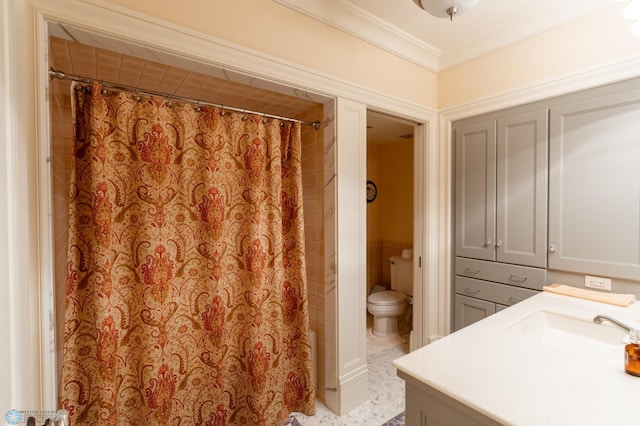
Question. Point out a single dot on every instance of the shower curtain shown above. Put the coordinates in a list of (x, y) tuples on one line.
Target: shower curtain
[(186, 298)]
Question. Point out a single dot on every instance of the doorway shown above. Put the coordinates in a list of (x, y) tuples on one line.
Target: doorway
[(390, 213)]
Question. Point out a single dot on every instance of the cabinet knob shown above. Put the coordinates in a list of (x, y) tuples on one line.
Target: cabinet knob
[(499, 243), (552, 248), (487, 243)]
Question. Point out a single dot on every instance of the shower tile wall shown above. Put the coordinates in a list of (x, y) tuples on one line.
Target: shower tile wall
[(313, 194), (328, 330), (126, 70), (61, 154)]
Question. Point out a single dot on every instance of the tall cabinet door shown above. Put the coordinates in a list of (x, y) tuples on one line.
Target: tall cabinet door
[(521, 195), (475, 147), (594, 186)]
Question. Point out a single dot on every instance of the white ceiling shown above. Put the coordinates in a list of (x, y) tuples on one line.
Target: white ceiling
[(402, 27)]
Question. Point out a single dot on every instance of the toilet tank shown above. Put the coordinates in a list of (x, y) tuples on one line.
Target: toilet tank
[(401, 274)]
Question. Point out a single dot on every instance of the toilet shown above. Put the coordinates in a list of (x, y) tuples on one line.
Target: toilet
[(387, 306)]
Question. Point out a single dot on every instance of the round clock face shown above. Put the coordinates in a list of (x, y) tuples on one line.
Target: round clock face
[(372, 191)]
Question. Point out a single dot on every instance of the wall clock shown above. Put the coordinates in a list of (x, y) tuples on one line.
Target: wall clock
[(372, 191)]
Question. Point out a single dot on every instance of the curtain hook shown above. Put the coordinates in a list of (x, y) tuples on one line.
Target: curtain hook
[(138, 97), (245, 117), (197, 108), (222, 111)]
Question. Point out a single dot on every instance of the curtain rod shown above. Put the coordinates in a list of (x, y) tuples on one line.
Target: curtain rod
[(63, 76)]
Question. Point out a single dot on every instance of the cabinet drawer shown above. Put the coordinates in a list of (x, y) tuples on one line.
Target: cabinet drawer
[(493, 292), (521, 276)]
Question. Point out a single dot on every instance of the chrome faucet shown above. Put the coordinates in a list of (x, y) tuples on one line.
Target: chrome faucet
[(599, 318)]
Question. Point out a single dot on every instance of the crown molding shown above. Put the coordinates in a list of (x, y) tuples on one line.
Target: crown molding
[(368, 27), (345, 16), (596, 76), (114, 27)]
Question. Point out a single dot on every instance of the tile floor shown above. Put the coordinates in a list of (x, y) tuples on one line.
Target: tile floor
[(386, 389)]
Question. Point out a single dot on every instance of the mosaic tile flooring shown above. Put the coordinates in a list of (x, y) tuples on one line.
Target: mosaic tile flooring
[(386, 389)]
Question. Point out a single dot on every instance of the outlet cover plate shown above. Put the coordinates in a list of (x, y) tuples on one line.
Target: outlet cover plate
[(598, 283)]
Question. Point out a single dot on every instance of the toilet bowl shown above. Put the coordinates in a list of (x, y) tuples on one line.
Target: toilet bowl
[(386, 306)]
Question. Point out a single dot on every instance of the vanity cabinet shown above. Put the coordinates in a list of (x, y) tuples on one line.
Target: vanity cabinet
[(501, 189), (426, 405), (594, 192)]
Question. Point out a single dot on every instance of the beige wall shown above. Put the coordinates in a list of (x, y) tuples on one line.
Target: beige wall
[(268, 27), (374, 209), (390, 215), (396, 191), (595, 41), (390, 167)]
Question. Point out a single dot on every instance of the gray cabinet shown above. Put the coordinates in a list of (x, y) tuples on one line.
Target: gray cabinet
[(500, 212), (476, 299), (501, 189), (429, 406), (594, 191), (475, 195), (469, 310)]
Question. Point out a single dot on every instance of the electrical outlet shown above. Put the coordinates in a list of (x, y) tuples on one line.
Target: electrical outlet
[(597, 282)]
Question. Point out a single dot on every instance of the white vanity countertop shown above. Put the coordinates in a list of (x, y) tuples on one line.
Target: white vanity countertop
[(500, 368)]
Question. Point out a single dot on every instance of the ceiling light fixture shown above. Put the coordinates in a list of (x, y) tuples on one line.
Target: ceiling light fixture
[(446, 8), (632, 12)]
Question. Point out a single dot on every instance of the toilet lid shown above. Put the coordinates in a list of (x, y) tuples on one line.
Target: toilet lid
[(388, 297)]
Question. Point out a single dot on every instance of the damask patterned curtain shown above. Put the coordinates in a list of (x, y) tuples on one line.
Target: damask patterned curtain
[(186, 298)]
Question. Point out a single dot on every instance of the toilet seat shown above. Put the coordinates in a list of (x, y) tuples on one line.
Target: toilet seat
[(388, 297)]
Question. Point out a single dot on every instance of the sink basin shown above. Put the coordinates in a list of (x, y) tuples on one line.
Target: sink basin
[(555, 330)]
